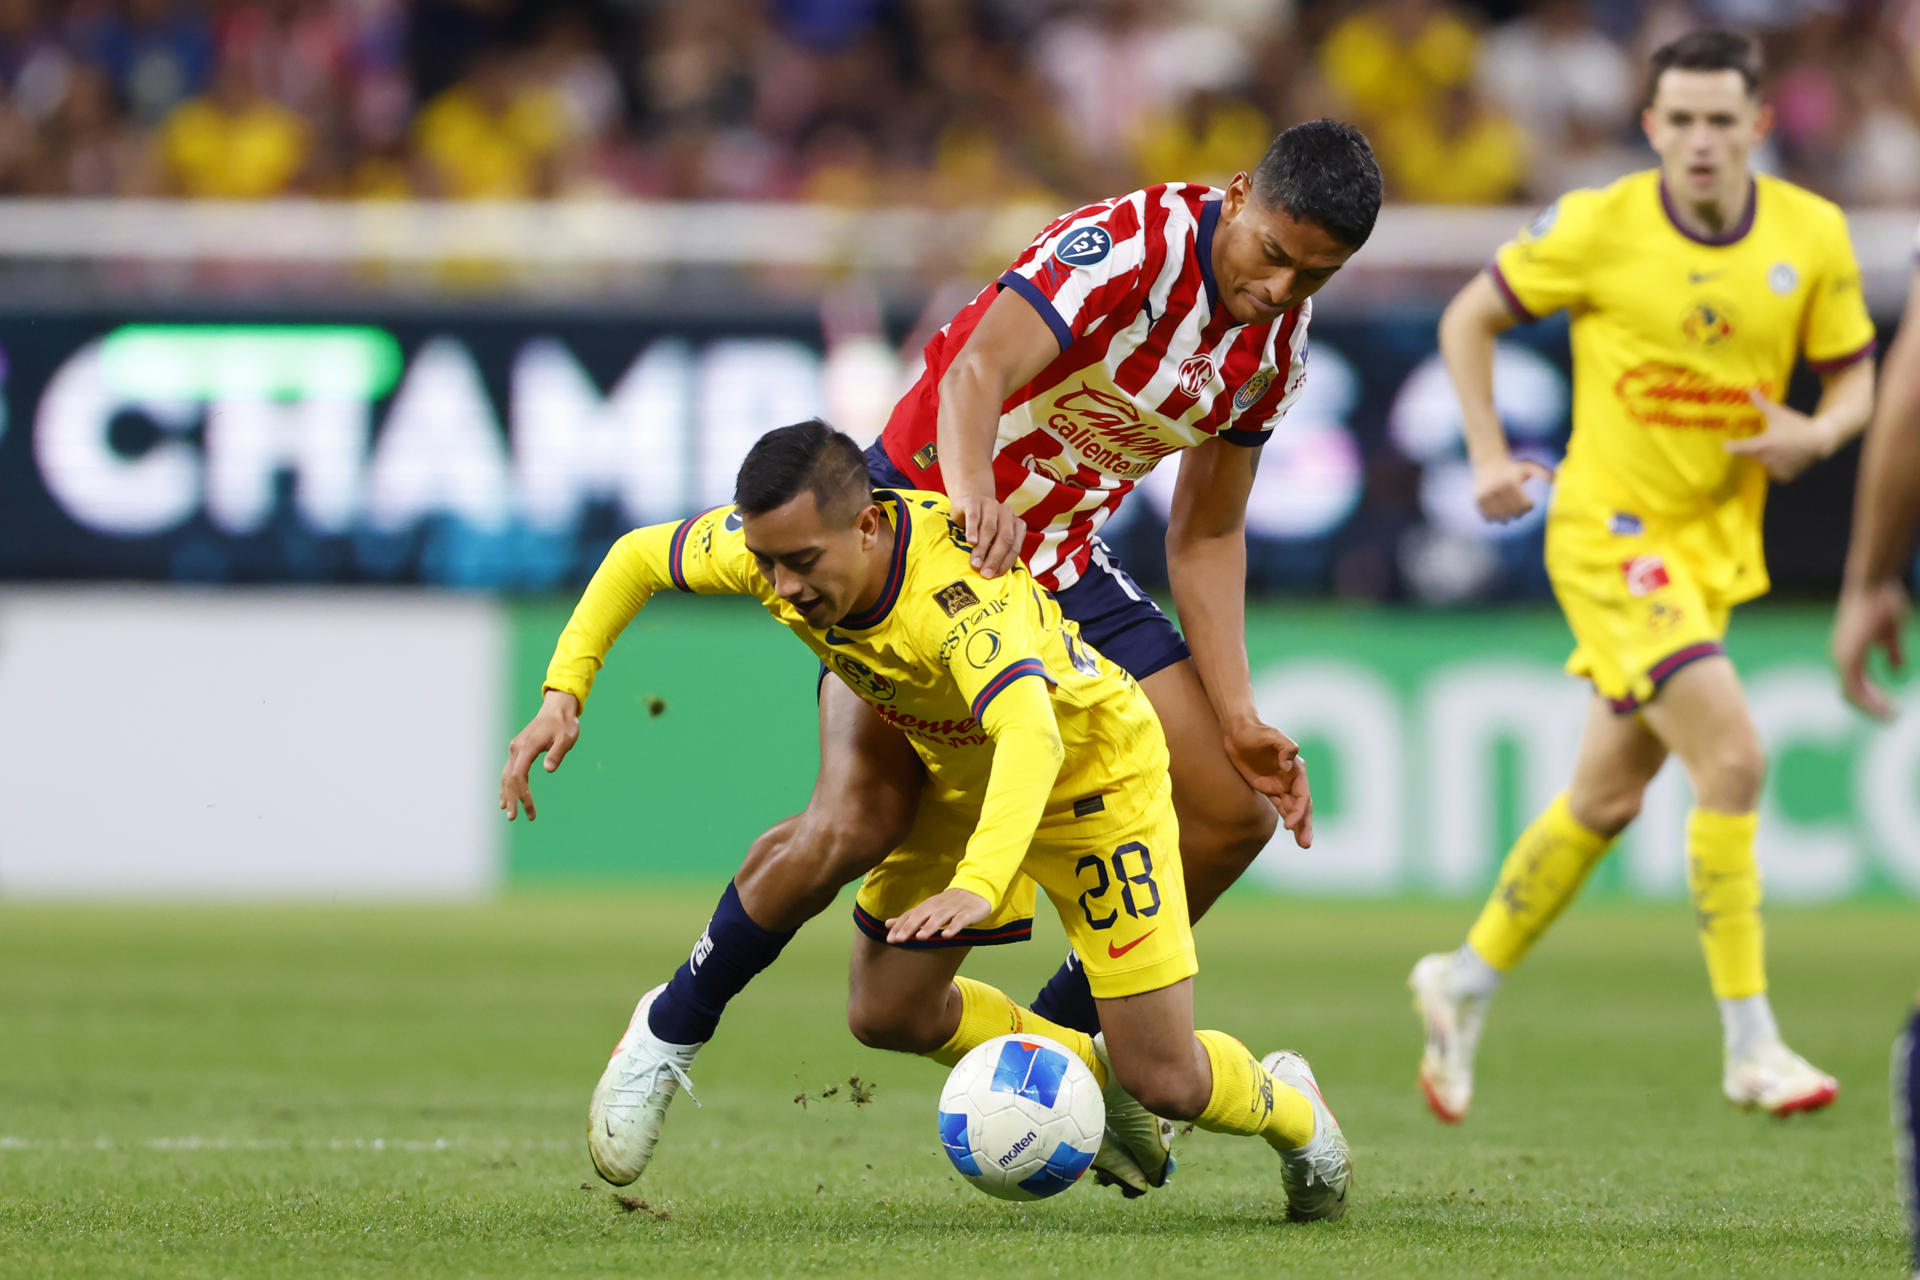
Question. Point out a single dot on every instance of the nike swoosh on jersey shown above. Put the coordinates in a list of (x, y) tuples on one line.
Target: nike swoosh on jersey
[(1701, 277), (834, 639), (1116, 952)]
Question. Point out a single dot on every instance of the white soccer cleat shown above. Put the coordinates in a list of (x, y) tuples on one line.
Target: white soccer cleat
[(1775, 1079), (1136, 1153), (1453, 1024), (629, 1105), (1318, 1175)]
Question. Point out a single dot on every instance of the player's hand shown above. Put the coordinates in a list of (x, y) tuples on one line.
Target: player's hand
[(1788, 444), (1270, 762), (943, 915), (993, 529), (1499, 487), (552, 731), (1869, 618)]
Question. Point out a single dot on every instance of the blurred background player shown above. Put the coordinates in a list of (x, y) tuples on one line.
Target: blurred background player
[(1693, 288), (1173, 318), (1049, 754), (1872, 612)]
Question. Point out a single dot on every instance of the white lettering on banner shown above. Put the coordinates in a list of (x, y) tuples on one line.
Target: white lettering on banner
[(572, 447), (746, 388), (323, 441), (1799, 707), (1887, 791), (1419, 800), (1357, 850), (441, 452), (1468, 712), (97, 484)]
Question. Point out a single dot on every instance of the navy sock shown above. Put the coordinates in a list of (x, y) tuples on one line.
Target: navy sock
[(732, 949), (1906, 1124), (1068, 1000)]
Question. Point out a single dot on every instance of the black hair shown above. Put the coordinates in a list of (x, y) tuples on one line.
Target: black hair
[(1709, 49), (808, 455), (1323, 172)]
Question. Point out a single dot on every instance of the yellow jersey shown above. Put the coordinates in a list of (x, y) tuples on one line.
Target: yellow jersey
[(936, 657), (1670, 332)]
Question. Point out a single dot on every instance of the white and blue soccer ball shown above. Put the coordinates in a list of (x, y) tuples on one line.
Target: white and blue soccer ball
[(1021, 1117)]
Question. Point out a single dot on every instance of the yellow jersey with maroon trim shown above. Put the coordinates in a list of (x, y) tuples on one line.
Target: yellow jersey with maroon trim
[(1670, 332), (932, 656)]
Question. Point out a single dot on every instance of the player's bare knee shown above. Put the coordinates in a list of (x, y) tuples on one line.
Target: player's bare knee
[(1730, 778), (1170, 1085), (1231, 832), (1175, 1091), (1607, 812), (838, 847), (895, 1028)]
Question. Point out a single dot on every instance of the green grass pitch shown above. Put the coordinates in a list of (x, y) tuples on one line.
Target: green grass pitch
[(248, 1092)]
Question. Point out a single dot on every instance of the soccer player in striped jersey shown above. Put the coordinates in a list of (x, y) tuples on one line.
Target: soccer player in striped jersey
[(1693, 288), (1872, 613), (1171, 319)]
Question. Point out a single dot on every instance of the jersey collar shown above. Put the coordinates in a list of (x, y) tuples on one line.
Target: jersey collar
[(1731, 236), (1203, 244), (902, 530)]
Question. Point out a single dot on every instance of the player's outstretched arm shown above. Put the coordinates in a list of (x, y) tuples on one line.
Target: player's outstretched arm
[(552, 732), (1007, 350), (1016, 710), (696, 555), (1207, 568), (1886, 513), (1469, 330)]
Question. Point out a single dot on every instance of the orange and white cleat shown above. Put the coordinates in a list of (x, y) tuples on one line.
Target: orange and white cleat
[(629, 1105), (1453, 1023), (1775, 1079)]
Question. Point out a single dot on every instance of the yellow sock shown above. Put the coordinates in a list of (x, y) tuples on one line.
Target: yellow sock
[(986, 1012), (1725, 883), (1542, 874), (1247, 1100)]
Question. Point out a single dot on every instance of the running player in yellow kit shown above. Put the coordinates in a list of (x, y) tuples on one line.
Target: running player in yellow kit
[(1693, 289), (1043, 760)]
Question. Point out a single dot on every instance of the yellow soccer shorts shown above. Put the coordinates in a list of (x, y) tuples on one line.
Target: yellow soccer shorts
[(1118, 887), (1635, 605)]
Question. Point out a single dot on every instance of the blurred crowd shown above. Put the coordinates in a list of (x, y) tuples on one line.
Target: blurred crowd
[(943, 102)]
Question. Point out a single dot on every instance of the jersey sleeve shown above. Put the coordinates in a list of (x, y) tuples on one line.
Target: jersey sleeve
[(1839, 331), (1544, 269), (993, 654), (702, 554), (1086, 266)]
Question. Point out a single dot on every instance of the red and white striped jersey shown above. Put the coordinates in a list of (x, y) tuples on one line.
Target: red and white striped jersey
[(1150, 363)]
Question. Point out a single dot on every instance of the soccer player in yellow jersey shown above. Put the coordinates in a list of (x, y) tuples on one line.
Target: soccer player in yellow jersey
[(1042, 759), (1693, 288)]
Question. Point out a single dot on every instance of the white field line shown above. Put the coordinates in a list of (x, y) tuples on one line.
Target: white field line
[(197, 1142)]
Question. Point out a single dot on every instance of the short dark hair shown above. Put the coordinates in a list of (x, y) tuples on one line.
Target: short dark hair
[(808, 455), (1323, 172), (1709, 49)]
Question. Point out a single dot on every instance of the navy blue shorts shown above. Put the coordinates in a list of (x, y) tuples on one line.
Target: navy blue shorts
[(1115, 615)]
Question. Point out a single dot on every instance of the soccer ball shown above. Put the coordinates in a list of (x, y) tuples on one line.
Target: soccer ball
[(1021, 1117)]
